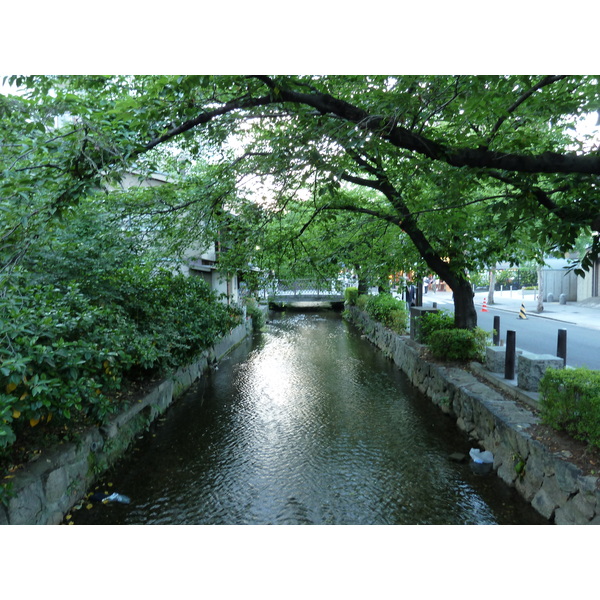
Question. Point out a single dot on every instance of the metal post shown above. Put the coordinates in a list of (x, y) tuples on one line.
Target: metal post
[(561, 347), (511, 351), (419, 298), (496, 331)]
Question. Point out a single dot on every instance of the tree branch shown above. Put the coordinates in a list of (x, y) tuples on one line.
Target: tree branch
[(540, 195), (400, 137), (240, 103), (365, 211), (548, 80)]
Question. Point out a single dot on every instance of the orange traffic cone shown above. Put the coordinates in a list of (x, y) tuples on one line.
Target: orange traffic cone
[(484, 307)]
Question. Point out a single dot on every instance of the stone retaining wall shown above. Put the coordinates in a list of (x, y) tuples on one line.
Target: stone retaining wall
[(48, 487), (557, 489)]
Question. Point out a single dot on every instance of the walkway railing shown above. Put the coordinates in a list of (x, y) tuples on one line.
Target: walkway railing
[(307, 287), (307, 290)]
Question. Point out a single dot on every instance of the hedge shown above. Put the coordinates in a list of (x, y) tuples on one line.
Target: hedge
[(570, 401), (387, 310)]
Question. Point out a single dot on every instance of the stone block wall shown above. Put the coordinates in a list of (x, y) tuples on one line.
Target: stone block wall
[(557, 489), (495, 358), (531, 368)]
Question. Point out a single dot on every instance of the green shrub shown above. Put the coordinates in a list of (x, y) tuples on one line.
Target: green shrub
[(459, 345), (62, 357), (361, 302), (506, 277), (430, 323), (387, 310), (480, 278), (179, 315), (570, 401), (257, 315), (398, 320), (351, 295)]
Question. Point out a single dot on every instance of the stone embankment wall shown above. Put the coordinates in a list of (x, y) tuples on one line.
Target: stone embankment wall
[(48, 487), (557, 489)]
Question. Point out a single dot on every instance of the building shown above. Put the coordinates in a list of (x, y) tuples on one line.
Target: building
[(197, 261)]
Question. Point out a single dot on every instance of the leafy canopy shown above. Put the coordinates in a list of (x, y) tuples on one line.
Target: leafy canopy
[(469, 169)]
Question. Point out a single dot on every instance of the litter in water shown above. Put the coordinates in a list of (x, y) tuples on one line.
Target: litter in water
[(106, 498), (480, 457)]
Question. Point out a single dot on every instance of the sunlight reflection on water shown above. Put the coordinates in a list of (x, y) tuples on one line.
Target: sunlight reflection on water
[(307, 425)]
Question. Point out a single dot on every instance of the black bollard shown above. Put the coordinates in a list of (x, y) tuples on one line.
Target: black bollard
[(496, 331), (561, 346), (511, 351)]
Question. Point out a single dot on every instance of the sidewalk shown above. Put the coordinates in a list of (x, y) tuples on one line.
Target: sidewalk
[(586, 313)]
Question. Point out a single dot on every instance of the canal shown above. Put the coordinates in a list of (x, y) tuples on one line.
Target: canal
[(306, 423)]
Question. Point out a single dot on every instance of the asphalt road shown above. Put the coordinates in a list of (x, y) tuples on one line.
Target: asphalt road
[(540, 335)]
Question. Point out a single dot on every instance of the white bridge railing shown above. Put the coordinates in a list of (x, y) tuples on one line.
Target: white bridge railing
[(307, 287)]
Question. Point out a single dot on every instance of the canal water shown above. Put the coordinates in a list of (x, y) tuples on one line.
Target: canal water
[(306, 423)]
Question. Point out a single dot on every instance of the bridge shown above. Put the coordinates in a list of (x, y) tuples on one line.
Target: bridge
[(305, 292)]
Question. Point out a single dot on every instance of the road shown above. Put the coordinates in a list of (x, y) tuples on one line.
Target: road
[(539, 333)]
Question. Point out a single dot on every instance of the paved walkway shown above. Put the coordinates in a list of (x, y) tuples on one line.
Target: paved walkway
[(586, 313)]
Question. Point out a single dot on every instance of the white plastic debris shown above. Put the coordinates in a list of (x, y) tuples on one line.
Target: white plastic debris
[(480, 457), (117, 498)]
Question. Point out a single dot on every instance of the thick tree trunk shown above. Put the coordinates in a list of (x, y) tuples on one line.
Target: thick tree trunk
[(492, 286), (465, 315), (363, 286), (540, 298)]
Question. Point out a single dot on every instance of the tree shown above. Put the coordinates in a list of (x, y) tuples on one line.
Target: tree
[(492, 286), (462, 165)]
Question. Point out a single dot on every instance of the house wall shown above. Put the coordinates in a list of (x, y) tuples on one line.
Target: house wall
[(559, 281), (130, 180), (585, 286), (204, 258), (227, 286), (589, 285)]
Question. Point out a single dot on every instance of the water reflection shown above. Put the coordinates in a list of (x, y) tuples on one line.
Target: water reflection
[(307, 424)]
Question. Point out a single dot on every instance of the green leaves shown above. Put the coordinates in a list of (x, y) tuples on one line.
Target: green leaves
[(570, 401), (459, 344), (64, 358), (175, 317), (387, 310), (299, 175)]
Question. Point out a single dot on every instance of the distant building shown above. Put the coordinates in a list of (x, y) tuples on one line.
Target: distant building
[(559, 280), (197, 262)]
